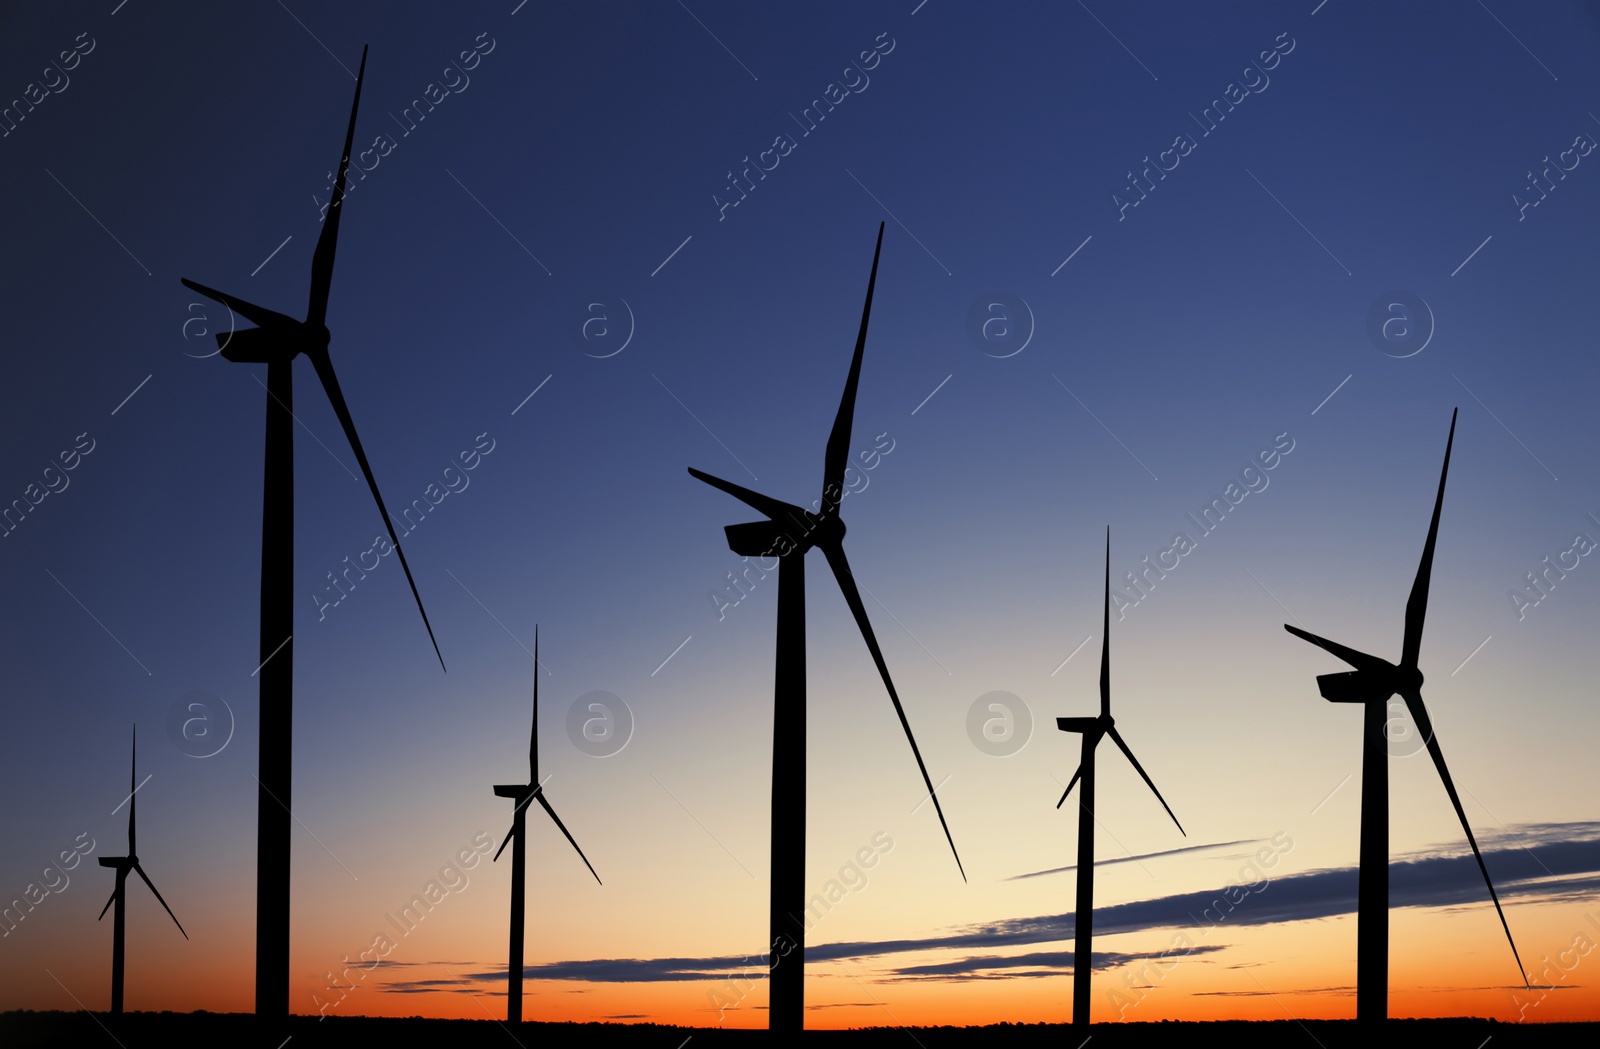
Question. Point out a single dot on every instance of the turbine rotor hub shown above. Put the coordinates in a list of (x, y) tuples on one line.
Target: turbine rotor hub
[(825, 527)]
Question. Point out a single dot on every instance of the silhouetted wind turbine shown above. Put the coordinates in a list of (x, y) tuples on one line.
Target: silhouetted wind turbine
[(1093, 730), (122, 865), (276, 342), (1372, 683), (523, 793), (788, 533)]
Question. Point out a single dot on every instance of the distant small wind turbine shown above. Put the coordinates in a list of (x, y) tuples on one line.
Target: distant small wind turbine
[(523, 793), (788, 533), (122, 865), (1093, 729), (1372, 683)]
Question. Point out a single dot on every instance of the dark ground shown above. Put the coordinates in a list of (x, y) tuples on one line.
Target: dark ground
[(23, 1030)]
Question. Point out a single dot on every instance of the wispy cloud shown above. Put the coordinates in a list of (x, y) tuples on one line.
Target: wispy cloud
[(643, 970), (1134, 859), (1529, 863), (1336, 991), (1022, 966), (843, 1005)]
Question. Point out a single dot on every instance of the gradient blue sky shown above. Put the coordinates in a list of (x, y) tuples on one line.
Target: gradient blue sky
[(1179, 341)]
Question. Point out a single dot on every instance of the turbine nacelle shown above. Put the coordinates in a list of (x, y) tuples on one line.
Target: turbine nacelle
[(265, 346), (766, 539), (788, 530), (1369, 686), (268, 345), (1096, 726)]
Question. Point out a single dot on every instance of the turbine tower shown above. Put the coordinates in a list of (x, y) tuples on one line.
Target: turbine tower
[(523, 793), (787, 534), (276, 341), (1372, 683), (1093, 730), (122, 865)]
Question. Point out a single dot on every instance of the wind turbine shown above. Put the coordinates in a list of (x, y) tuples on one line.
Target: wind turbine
[(523, 793), (1372, 683), (1093, 730), (276, 341), (122, 865), (788, 533)]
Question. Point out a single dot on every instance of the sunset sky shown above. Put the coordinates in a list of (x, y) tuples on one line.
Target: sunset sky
[(1134, 253)]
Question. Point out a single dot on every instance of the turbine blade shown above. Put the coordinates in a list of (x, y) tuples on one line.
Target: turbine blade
[(133, 796), (512, 833), (546, 803), (322, 258), (258, 315), (109, 902), (1419, 714), (776, 509), (1359, 660), (837, 456), (533, 736), (852, 597), (330, 383), (147, 881), (1105, 643), (1417, 604), (1073, 782), (1116, 737)]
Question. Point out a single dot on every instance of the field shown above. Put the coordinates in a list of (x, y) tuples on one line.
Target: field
[(29, 1029)]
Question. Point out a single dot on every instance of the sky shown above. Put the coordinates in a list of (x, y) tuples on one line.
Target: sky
[(1139, 260)]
